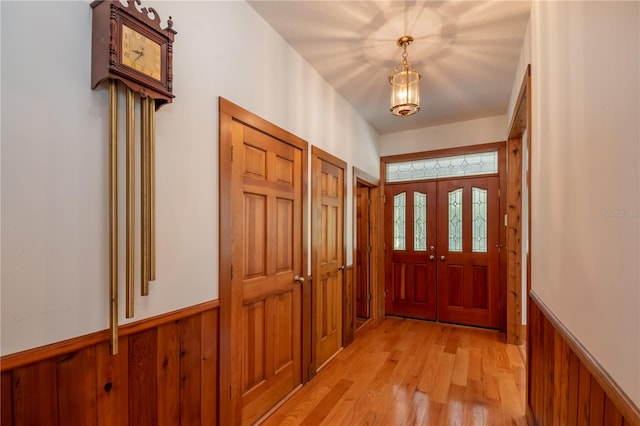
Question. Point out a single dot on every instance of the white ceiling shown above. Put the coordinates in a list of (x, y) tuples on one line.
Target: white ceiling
[(466, 51)]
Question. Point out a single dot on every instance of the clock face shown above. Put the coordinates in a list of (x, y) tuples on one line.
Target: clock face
[(141, 53)]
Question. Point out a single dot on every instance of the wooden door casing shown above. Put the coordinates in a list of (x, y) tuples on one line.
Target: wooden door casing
[(468, 281), (410, 273), (328, 188), (362, 251), (261, 303)]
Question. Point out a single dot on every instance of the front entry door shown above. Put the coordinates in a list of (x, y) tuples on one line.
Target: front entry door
[(441, 250), (468, 256), (266, 260), (410, 243), (328, 255)]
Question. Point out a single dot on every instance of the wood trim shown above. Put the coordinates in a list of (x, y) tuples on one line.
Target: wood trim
[(228, 405), (520, 121), (377, 253), (514, 241), (260, 124), (363, 178), (330, 158), (597, 373), (30, 356), (445, 152), (348, 307), (502, 173)]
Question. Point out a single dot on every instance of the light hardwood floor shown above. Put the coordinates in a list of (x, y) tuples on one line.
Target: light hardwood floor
[(406, 372)]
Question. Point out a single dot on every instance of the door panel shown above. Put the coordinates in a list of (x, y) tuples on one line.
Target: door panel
[(328, 235), (410, 242), (468, 263), (266, 256)]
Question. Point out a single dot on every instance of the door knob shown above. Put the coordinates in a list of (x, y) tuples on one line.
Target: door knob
[(298, 278), (432, 257), (443, 258), (341, 268)]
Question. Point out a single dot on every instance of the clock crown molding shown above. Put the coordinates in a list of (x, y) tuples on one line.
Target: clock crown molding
[(148, 15)]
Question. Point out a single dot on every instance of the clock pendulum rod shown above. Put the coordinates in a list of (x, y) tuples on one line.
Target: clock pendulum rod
[(130, 182), (113, 215), (144, 185), (152, 190)]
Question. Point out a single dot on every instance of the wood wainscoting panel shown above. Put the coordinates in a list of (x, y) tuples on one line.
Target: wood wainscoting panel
[(567, 386), (165, 373)]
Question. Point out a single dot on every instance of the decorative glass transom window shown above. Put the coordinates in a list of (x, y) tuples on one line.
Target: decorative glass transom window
[(482, 163)]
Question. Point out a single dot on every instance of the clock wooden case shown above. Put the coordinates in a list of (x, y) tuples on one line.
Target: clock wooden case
[(129, 44)]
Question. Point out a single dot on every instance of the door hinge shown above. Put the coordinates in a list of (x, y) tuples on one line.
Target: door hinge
[(370, 249), (384, 246), (498, 192), (370, 296), (384, 199), (231, 152), (231, 271)]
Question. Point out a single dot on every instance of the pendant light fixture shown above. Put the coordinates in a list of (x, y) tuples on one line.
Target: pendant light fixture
[(405, 84)]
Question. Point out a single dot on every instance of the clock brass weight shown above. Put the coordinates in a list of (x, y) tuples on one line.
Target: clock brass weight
[(130, 49)]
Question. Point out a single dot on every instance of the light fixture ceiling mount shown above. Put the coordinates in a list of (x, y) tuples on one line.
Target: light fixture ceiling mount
[(405, 84)]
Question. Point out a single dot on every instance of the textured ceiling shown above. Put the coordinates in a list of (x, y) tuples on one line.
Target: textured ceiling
[(466, 51)]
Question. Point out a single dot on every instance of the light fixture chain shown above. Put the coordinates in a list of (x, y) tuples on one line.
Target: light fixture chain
[(405, 64)]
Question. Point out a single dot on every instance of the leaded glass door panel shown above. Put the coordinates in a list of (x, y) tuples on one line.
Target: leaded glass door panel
[(468, 256), (410, 242)]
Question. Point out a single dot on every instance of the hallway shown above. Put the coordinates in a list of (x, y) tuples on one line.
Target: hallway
[(406, 372)]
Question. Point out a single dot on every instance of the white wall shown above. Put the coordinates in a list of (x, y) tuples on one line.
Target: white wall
[(54, 157), (463, 133), (585, 176)]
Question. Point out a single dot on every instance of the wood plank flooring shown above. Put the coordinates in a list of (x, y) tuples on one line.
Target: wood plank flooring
[(407, 372)]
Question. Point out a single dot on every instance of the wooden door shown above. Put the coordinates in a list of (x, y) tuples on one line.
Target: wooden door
[(410, 249), (363, 249), (327, 255), (468, 254), (261, 348)]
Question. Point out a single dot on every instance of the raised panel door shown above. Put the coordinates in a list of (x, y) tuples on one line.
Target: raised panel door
[(266, 257), (410, 250), (328, 269), (468, 254)]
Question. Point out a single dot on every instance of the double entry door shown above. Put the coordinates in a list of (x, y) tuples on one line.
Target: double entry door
[(442, 250)]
